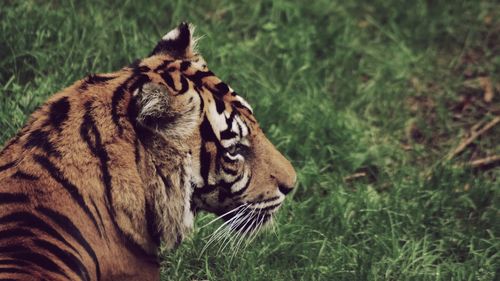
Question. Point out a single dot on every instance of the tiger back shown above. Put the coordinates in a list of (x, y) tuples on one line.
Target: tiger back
[(116, 164)]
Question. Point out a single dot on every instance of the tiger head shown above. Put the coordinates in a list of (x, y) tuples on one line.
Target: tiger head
[(235, 171)]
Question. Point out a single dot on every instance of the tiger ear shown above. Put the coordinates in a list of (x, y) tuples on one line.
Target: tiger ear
[(178, 42), (154, 105)]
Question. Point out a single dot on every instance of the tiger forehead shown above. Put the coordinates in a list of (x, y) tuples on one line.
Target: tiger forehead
[(198, 73)]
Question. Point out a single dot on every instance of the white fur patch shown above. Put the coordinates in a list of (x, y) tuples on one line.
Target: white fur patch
[(242, 183), (268, 203), (171, 35), (227, 143), (244, 128), (234, 157), (188, 216), (217, 121), (244, 103)]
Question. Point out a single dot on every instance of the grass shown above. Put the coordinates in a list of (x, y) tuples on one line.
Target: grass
[(385, 88)]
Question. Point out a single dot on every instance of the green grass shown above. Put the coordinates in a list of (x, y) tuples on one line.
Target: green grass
[(340, 87)]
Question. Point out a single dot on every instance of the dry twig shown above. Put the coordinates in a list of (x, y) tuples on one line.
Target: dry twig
[(484, 161), (488, 88), (473, 135), (355, 176)]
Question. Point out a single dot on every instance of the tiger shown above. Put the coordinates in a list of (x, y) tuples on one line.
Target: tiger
[(115, 167)]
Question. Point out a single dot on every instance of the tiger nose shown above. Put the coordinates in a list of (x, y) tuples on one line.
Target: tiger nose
[(285, 189), (286, 179)]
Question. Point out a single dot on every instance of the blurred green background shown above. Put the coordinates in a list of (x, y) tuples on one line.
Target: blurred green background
[(369, 99)]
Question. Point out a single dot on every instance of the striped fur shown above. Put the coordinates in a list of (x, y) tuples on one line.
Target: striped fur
[(117, 163)]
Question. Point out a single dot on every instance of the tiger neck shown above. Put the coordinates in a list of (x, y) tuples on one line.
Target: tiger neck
[(164, 165), (168, 189)]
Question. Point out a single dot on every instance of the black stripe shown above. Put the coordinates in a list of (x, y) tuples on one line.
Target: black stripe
[(88, 126), (220, 105), (264, 201), (137, 151), (67, 185), (40, 139), (98, 79), (239, 192), (31, 221), (203, 190), (139, 82), (24, 176), (137, 68), (231, 117), (207, 135), (227, 134), (265, 209), (238, 104), (198, 77), (202, 103), (67, 258), (13, 262), (9, 198), (240, 129), (93, 79), (119, 92), (132, 112), (206, 131), (14, 233), (184, 85), (98, 216), (185, 65), (118, 95), (14, 248), (221, 89), (228, 185), (166, 180), (169, 80), (7, 166), (67, 225), (152, 226), (205, 161), (219, 153), (59, 112), (163, 65), (229, 171), (26, 254), (14, 270)]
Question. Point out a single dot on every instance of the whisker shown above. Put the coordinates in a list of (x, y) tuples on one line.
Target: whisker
[(223, 215), (243, 235), (231, 229), (259, 222), (216, 235), (226, 232), (256, 232)]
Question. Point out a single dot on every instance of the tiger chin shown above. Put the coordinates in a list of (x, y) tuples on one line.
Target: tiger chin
[(116, 164)]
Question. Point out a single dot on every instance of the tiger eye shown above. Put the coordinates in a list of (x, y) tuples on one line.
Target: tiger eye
[(232, 149)]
